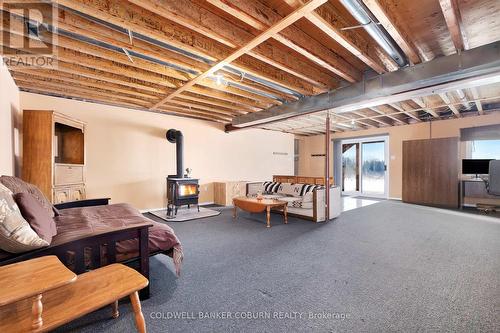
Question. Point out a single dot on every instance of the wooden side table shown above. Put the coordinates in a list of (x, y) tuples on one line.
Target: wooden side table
[(32, 278), (66, 296)]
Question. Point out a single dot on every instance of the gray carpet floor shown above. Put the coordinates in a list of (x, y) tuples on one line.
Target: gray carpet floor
[(386, 267)]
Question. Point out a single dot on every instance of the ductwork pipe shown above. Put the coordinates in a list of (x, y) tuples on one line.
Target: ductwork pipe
[(175, 136), (363, 15)]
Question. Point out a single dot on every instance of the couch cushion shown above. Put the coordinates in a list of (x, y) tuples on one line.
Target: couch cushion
[(302, 204), (270, 187), (17, 185), (74, 223), (16, 235), (289, 200), (38, 218), (290, 189)]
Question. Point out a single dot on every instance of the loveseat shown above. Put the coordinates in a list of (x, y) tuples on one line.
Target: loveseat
[(93, 233), (304, 200)]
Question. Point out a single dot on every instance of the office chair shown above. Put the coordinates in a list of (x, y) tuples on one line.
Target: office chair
[(492, 185)]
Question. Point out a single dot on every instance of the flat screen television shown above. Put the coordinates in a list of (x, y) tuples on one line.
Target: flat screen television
[(475, 167)]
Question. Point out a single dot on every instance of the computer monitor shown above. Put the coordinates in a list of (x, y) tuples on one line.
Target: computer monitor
[(475, 166)]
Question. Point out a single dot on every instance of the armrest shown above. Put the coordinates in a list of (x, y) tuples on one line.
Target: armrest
[(83, 203), (253, 187), (78, 244)]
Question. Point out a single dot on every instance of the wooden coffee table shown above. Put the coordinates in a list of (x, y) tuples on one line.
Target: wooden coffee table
[(254, 205)]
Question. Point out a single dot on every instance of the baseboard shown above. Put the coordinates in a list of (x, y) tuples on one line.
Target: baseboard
[(142, 211), (397, 199)]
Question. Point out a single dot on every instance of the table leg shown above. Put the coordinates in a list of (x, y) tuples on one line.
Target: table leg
[(285, 213), (116, 312), (36, 311), (268, 213), (139, 318), (234, 211)]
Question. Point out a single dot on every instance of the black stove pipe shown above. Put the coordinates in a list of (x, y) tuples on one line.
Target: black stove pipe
[(175, 136)]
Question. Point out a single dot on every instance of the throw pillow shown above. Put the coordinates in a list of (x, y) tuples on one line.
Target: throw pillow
[(16, 235), (38, 218), (17, 185)]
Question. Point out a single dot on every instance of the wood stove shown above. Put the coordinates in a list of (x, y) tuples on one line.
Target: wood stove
[(181, 190)]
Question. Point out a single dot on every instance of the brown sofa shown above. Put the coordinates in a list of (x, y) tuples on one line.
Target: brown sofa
[(92, 233)]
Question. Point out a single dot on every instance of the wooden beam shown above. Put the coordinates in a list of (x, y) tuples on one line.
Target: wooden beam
[(193, 16), (375, 119), (137, 19), (202, 107), (421, 103), (78, 58), (454, 22), (463, 98), (288, 20), (330, 21), (93, 96), (176, 78), (86, 72), (452, 107), (188, 110), (70, 91), (260, 17), (401, 108), (75, 79), (79, 25), (350, 119), (81, 87), (217, 102), (393, 26), (387, 111), (475, 95)]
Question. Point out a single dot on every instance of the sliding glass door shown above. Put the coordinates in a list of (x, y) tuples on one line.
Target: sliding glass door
[(350, 167), (364, 167)]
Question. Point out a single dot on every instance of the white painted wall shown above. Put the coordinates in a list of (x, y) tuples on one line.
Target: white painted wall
[(10, 122), (128, 156)]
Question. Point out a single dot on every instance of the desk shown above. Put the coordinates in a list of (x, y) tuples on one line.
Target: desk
[(473, 191)]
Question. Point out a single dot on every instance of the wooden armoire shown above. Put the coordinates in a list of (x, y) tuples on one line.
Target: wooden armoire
[(430, 172), (54, 154)]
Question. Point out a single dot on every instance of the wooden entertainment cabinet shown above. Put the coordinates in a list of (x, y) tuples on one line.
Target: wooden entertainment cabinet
[(54, 154)]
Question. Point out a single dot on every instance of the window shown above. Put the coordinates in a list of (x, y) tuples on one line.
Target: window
[(485, 149)]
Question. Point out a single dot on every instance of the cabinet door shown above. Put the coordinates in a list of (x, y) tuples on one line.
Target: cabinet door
[(77, 193), (61, 195)]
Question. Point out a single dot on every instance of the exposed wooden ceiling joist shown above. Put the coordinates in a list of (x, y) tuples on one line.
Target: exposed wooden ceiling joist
[(260, 16), (327, 19), (454, 22), (393, 27), (447, 101), (134, 53), (473, 67), (402, 107), (277, 27), (152, 25), (475, 95), (193, 16)]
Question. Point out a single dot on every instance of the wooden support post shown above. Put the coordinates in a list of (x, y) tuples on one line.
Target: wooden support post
[(327, 168)]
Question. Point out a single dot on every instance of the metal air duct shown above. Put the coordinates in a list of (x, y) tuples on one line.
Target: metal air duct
[(363, 15)]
